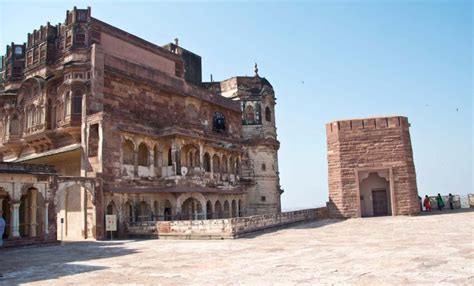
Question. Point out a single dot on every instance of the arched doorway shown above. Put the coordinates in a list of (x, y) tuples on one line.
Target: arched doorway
[(191, 209), (234, 209), (241, 212), (218, 210), (226, 209), (167, 211), (127, 212), (5, 207), (155, 214), (374, 191), (31, 213), (144, 212), (209, 213)]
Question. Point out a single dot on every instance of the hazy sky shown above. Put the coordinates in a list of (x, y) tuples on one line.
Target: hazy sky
[(326, 60)]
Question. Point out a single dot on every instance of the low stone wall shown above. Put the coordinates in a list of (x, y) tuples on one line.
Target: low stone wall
[(222, 228)]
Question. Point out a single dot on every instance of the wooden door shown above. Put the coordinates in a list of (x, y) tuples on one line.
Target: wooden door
[(379, 202)]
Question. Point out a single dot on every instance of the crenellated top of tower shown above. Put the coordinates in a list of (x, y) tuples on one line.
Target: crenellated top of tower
[(78, 16)]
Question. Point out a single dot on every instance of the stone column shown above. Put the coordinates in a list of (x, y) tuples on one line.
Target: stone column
[(211, 164), (15, 226), (175, 158), (201, 156), (99, 147), (151, 156), (46, 224), (33, 219), (204, 210)]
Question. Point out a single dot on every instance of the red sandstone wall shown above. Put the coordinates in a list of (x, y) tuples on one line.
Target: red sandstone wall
[(370, 143)]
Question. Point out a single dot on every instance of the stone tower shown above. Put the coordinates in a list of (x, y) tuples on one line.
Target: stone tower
[(370, 168), (260, 156)]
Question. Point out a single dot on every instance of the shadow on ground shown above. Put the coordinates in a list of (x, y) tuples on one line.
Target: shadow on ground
[(55, 261), (299, 225)]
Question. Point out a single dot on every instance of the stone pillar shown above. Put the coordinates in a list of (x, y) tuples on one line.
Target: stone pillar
[(175, 158), (211, 164), (204, 210), (33, 219), (15, 226), (46, 224), (99, 147), (151, 156), (201, 157)]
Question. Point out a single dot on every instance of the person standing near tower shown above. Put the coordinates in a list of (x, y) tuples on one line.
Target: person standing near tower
[(450, 201), (440, 202)]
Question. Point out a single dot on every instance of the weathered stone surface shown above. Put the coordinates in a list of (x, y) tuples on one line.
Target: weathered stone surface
[(359, 147), (405, 250), (222, 228), (97, 102)]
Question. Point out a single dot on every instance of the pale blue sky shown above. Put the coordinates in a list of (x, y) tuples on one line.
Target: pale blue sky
[(326, 60)]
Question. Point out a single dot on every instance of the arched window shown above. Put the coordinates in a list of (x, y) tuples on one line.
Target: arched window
[(207, 162), (268, 114), (231, 165), (191, 159), (14, 127), (218, 122), (33, 116), (215, 164), (264, 167), (77, 102), (170, 161), (249, 114), (127, 152), (143, 155), (67, 104), (224, 164)]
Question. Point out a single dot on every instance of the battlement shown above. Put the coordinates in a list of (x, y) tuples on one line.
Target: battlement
[(78, 16), (42, 34), (351, 125)]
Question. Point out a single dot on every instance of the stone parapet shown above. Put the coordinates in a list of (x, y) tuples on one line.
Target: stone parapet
[(223, 228)]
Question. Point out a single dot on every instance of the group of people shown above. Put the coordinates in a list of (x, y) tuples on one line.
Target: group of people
[(439, 202)]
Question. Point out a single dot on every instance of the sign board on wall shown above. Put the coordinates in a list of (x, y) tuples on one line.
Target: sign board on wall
[(110, 222)]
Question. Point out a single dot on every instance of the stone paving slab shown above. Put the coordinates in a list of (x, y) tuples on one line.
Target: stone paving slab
[(371, 251)]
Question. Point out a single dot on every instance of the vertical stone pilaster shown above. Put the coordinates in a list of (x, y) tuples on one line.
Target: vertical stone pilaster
[(33, 219), (15, 226), (201, 156), (211, 164), (99, 147), (46, 225)]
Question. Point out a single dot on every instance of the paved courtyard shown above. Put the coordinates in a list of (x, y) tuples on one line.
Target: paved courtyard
[(371, 251)]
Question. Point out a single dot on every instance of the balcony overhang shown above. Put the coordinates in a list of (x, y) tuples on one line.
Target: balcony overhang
[(173, 189)]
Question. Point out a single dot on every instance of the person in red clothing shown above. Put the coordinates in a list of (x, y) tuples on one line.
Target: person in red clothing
[(427, 204)]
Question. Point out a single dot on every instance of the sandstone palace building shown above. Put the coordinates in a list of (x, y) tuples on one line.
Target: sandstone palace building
[(117, 125)]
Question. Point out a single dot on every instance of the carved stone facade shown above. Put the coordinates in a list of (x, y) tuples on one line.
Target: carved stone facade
[(136, 121), (371, 168), (27, 203)]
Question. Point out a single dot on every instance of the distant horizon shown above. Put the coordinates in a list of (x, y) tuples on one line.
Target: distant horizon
[(327, 61)]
